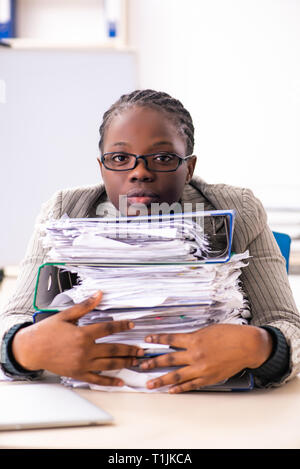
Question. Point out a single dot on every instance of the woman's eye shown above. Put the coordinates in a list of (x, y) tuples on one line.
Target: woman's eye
[(120, 158), (163, 158)]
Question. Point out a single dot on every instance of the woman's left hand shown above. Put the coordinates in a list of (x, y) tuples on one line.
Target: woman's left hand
[(209, 355)]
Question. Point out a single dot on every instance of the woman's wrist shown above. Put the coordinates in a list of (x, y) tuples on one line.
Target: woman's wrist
[(277, 367), (9, 363), (261, 345), (18, 350)]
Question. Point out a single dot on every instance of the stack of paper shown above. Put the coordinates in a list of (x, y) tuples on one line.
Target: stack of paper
[(119, 240), (161, 296)]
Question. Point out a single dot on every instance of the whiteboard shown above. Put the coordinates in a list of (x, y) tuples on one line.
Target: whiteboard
[(51, 107)]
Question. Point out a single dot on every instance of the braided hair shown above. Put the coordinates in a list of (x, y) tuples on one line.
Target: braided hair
[(156, 100)]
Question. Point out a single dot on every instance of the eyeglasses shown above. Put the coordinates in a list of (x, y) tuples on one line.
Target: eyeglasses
[(160, 162)]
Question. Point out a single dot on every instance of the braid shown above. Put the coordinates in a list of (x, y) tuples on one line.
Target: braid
[(154, 99)]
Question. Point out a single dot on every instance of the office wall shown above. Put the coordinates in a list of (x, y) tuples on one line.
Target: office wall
[(235, 64), (51, 106)]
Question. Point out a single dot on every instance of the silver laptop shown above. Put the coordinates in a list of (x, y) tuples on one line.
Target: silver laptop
[(36, 405)]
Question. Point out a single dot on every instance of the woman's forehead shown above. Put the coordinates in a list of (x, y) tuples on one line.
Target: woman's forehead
[(139, 122)]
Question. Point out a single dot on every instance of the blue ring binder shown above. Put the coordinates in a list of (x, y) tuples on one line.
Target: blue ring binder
[(7, 23)]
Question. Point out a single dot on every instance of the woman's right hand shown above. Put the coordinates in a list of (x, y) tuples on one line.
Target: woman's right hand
[(58, 345)]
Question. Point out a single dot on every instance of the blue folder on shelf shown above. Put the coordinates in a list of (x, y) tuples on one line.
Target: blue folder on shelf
[(7, 19)]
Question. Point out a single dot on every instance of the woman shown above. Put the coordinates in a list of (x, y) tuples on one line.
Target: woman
[(139, 133)]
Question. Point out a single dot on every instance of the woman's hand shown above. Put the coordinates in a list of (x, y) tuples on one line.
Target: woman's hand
[(58, 345), (209, 356)]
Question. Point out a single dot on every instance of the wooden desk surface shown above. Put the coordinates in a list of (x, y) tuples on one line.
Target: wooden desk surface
[(258, 419)]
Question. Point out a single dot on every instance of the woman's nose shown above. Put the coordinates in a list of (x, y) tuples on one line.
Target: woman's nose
[(141, 172)]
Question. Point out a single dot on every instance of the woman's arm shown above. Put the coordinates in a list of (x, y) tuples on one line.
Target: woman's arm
[(19, 308), (266, 284)]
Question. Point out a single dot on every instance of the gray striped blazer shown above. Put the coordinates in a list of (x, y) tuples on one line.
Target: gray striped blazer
[(264, 280)]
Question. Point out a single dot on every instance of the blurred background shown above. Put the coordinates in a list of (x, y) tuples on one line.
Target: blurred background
[(234, 64)]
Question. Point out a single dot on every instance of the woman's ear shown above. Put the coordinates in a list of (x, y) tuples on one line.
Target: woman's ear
[(100, 165), (191, 163)]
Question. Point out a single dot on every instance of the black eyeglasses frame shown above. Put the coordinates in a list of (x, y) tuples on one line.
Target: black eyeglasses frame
[(181, 159)]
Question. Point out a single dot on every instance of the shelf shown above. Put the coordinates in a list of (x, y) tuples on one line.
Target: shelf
[(27, 43)]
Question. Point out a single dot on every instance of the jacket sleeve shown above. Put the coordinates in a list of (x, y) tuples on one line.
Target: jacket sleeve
[(19, 308), (265, 280)]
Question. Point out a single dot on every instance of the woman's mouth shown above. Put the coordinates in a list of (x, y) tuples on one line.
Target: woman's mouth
[(141, 197)]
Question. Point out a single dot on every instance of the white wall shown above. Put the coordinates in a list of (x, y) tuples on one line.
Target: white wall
[(235, 64)]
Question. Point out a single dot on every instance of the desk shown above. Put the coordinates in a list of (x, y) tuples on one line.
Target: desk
[(258, 419)]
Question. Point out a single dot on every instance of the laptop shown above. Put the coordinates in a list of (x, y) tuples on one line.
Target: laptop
[(41, 405)]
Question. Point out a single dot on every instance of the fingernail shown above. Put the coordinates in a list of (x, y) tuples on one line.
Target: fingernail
[(151, 384), (96, 295), (131, 325), (148, 339), (140, 353), (120, 383), (144, 365)]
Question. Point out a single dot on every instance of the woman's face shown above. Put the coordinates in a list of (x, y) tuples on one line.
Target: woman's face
[(142, 130)]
